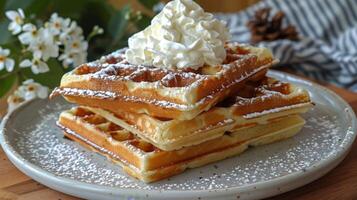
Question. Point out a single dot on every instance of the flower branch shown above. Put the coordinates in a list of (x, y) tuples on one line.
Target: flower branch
[(58, 38)]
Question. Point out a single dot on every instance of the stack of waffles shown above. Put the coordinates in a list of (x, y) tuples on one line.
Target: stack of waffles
[(156, 123)]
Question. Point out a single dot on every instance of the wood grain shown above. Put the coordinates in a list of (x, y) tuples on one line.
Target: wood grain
[(340, 183)]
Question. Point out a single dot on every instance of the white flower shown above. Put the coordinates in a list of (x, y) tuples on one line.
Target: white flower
[(72, 32), (13, 101), (17, 19), (30, 90), (72, 59), (37, 66), (45, 46), (98, 30), (31, 34), (76, 45), (57, 24), (6, 62), (75, 52), (27, 91)]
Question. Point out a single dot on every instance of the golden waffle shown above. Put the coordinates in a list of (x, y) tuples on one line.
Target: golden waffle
[(148, 163), (256, 103), (114, 84)]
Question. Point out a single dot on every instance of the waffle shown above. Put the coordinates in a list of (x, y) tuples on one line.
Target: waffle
[(149, 163), (256, 103), (116, 85)]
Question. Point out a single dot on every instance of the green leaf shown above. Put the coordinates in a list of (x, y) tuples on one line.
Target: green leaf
[(29, 6), (6, 84), (5, 34), (101, 16), (149, 3), (37, 7), (143, 22), (50, 79), (2, 6), (118, 23), (75, 9), (15, 4), (69, 8)]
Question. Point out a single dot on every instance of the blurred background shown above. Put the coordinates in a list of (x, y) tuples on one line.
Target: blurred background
[(208, 5)]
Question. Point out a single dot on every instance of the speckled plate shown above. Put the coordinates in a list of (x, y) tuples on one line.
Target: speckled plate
[(36, 146)]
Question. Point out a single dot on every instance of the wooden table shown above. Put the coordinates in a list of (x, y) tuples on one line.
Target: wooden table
[(340, 183)]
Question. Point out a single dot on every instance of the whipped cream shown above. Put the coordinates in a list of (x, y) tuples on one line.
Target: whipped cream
[(181, 36)]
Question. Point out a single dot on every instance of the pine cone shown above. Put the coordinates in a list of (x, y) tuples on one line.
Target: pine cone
[(265, 29)]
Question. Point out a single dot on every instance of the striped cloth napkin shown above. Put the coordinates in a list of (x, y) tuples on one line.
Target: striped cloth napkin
[(327, 50)]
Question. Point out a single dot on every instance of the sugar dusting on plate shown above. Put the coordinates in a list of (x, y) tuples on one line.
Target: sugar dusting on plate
[(44, 145)]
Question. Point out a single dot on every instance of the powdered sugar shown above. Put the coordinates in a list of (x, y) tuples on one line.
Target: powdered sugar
[(275, 110), (112, 95), (179, 85), (35, 137), (83, 93)]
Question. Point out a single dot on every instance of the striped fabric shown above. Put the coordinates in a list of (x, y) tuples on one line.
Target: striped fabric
[(327, 50)]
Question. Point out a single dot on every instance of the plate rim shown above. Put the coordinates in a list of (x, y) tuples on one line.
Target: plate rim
[(330, 162)]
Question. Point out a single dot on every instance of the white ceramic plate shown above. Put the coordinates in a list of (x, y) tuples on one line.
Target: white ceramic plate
[(36, 146)]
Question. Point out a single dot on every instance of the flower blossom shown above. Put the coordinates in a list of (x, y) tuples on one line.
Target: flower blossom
[(27, 91), (45, 46), (57, 24), (17, 19), (30, 34), (5, 61), (37, 66)]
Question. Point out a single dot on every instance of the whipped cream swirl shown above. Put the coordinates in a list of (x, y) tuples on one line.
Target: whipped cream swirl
[(181, 36)]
